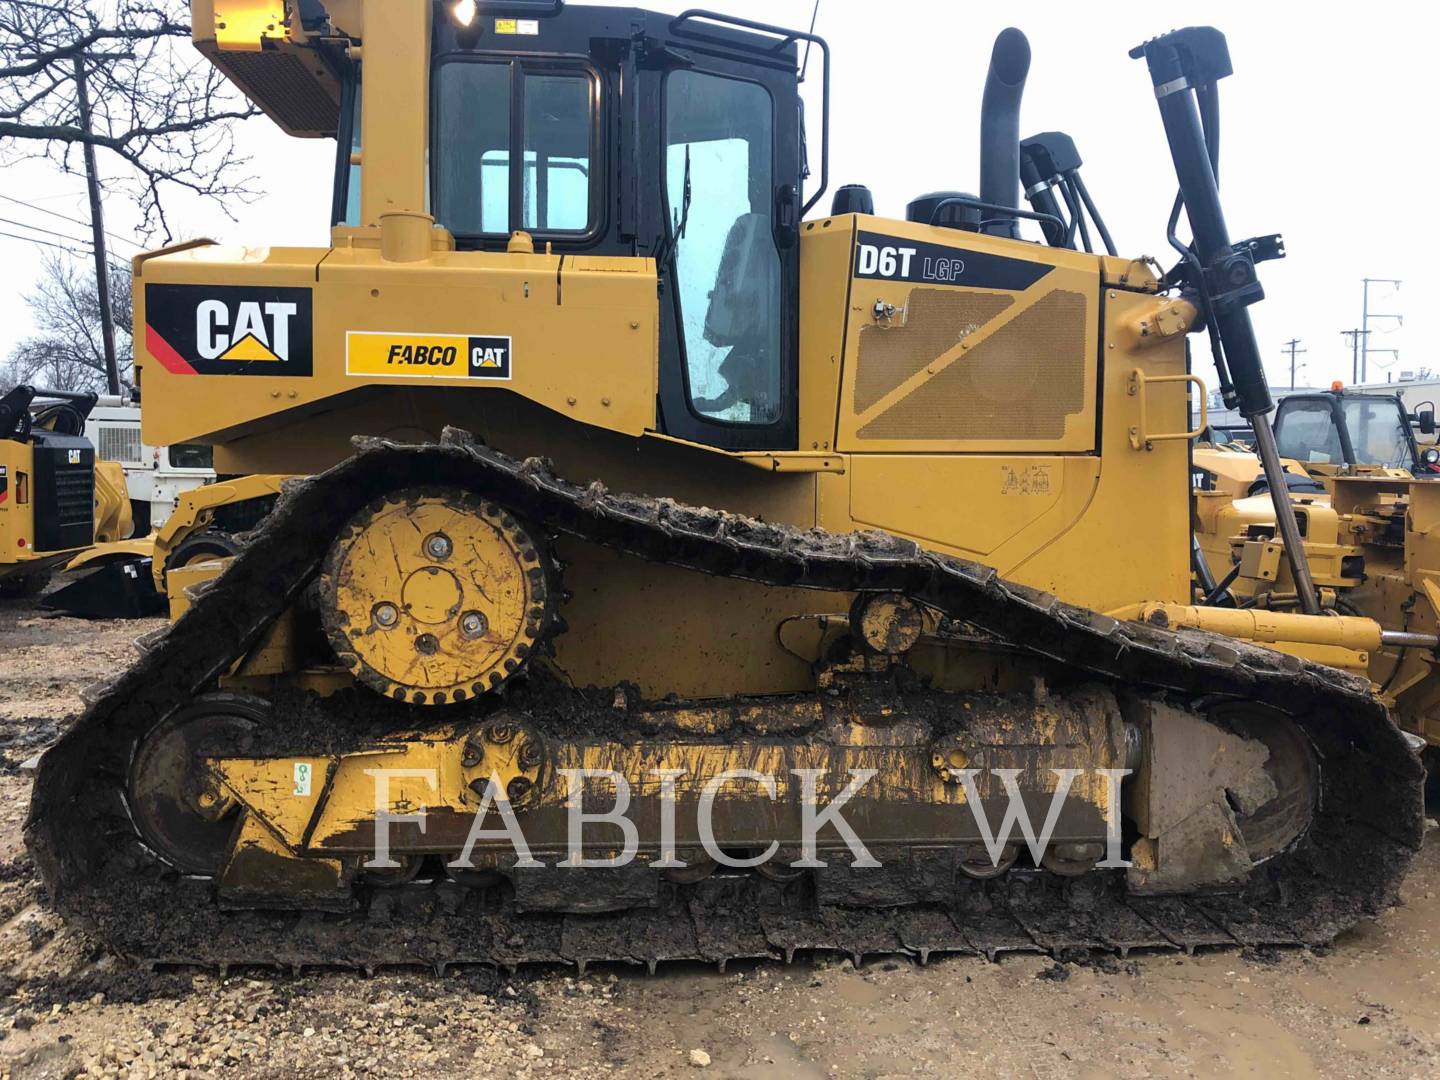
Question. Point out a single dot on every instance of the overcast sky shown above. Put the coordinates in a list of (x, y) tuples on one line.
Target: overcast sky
[(1327, 138)]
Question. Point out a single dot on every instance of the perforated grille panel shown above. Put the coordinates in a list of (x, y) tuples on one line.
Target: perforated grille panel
[(280, 83), (937, 320), (1020, 383), (64, 493), (119, 444), (74, 493)]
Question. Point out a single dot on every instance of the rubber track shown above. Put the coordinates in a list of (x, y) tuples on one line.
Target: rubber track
[(1349, 865)]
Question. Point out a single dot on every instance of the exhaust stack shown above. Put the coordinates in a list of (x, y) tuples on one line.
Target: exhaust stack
[(1000, 128)]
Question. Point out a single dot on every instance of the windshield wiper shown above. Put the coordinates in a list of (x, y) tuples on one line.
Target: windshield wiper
[(680, 221)]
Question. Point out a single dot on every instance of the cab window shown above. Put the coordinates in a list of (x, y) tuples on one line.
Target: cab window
[(719, 179), (1306, 431), (557, 154), (191, 456), (513, 149), (1379, 432)]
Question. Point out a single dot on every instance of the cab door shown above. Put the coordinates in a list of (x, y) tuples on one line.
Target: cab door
[(727, 137)]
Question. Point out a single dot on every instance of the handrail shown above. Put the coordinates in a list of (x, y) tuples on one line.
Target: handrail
[(787, 37), (1140, 437)]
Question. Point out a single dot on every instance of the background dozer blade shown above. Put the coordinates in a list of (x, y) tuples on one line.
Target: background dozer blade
[(117, 590)]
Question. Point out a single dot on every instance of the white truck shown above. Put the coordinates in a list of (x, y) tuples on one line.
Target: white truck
[(155, 475)]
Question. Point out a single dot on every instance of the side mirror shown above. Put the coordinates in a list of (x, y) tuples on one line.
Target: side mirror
[(1426, 420)]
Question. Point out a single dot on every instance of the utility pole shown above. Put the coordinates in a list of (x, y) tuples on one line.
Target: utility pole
[(1292, 347), (1356, 336), (97, 228), (1366, 315)]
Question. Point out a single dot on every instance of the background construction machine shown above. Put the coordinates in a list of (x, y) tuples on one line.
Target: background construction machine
[(118, 578), (155, 476), (572, 241), (1362, 484), (56, 500), (1349, 432)]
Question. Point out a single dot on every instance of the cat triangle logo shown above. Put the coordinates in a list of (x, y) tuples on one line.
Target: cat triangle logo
[(248, 347)]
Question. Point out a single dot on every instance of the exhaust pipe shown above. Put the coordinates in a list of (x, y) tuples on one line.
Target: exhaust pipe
[(1000, 128)]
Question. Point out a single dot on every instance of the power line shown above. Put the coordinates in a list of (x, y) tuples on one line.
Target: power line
[(37, 228), (45, 243), (81, 252), (69, 220), (85, 250)]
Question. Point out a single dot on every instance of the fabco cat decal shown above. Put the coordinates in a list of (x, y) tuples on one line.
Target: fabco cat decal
[(230, 330), (430, 356)]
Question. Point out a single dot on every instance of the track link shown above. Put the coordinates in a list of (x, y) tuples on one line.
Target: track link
[(1367, 827)]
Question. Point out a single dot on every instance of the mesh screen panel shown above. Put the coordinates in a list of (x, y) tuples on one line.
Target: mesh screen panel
[(1020, 383), (283, 84), (937, 320)]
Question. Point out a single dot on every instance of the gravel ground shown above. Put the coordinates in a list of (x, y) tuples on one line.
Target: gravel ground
[(1368, 1006)]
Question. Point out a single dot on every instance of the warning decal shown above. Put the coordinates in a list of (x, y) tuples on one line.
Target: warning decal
[(436, 356), (1031, 480), (523, 27)]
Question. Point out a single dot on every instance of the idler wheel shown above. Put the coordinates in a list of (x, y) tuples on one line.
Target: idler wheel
[(180, 809), (1276, 823)]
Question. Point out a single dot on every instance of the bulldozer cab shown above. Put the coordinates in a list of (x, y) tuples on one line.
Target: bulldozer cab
[(1339, 431), (616, 132)]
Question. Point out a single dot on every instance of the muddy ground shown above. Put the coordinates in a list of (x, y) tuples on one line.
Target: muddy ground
[(1369, 1006)]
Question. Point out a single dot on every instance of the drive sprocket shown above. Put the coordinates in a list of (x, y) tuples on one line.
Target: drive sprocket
[(433, 595)]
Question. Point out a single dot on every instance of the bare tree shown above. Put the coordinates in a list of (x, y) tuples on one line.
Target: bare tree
[(153, 101), (67, 352), (77, 77)]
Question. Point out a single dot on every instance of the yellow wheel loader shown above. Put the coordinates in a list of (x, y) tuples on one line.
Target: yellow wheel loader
[(56, 500), (678, 571)]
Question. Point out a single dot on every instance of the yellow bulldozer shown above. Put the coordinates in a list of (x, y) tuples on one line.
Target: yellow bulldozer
[(678, 571), (56, 499)]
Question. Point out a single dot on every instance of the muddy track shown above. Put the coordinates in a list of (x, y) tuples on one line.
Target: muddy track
[(1367, 826)]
